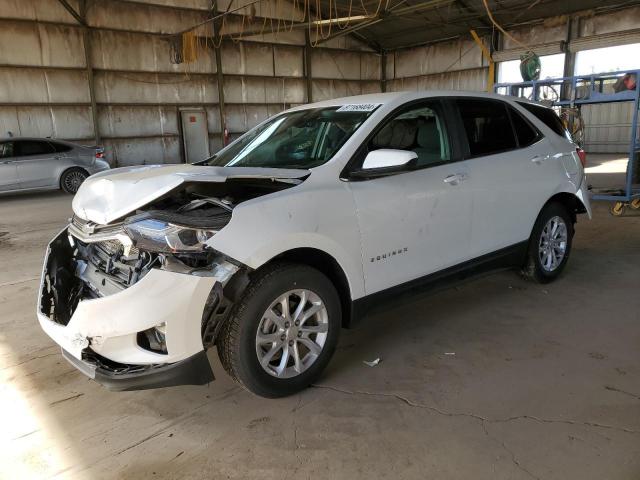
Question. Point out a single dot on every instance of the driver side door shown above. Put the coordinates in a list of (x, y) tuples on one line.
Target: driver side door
[(417, 222)]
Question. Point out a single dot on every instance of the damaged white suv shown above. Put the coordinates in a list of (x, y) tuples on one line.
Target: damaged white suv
[(299, 228)]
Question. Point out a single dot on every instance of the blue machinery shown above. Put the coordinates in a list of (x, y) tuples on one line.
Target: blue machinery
[(584, 90)]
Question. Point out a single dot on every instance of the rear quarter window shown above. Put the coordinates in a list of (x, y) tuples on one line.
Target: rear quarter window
[(548, 117), (60, 147), (487, 126)]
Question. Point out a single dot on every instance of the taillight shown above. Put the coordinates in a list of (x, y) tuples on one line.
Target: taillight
[(99, 154), (583, 156)]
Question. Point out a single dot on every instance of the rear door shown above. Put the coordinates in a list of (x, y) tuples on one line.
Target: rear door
[(8, 169), (511, 175), (37, 163), (417, 222)]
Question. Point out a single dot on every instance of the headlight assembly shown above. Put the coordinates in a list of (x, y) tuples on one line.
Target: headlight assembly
[(156, 235)]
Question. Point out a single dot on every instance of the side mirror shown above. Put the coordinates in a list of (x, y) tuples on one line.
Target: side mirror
[(386, 161)]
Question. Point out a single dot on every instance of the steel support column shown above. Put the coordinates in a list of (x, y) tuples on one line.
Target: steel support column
[(307, 66), (215, 25), (81, 16)]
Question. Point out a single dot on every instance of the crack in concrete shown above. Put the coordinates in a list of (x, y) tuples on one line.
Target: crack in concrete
[(29, 360), (515, 461), (614, 389), (412, 403), (18, 282), (62, 400)]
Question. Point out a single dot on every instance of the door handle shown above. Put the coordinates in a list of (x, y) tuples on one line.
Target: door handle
[(455, 179)]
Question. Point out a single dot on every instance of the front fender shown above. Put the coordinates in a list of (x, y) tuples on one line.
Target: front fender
[(323, 218)]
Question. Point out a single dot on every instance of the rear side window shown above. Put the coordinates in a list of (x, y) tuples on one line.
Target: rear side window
[(6, 149), (32, 147), (548, 117), (60, 147), (525, 132), (487, 126)]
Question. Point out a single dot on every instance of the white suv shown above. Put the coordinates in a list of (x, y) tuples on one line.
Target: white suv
[(301, 227)]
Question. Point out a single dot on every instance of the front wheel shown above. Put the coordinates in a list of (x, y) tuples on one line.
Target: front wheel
[(550, 244), (283, 332)]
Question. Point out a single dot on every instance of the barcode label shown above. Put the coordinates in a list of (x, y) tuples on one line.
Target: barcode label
[(359, 107)]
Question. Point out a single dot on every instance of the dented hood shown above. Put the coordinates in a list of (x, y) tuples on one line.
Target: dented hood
[(109, 195)]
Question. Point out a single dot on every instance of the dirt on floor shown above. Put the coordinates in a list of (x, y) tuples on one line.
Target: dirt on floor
[(495, 379)]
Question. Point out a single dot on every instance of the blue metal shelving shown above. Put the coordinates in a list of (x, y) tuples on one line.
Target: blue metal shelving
[(584, 90)]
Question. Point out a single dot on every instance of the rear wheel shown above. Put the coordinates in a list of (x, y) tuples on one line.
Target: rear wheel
[(72, 179), (283, 332), (550, 244)]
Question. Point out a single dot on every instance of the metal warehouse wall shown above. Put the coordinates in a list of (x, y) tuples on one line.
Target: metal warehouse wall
[(45, 83), (458, 65), (453, 65)]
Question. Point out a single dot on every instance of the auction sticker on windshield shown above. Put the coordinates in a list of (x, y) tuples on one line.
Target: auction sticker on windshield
[(359, 107)]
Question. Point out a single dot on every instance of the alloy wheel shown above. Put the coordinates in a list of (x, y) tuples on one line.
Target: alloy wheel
[(73, 180), (552, 246), (292, 333)]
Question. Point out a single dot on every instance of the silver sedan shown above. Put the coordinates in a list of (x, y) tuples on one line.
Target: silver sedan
[(45, 164)]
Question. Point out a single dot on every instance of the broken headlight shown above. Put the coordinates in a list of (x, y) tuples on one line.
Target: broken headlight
[(155, 235)]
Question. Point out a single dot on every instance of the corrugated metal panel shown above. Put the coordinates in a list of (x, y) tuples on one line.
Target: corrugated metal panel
[(439, 57), (474, 79), (605, 40), (28, 85), (131, 51), (137, 121), (40, 45), (608, 127), (131, 16), (132, 87), (335, 64), (35, 10), (57, 122), (142, 151), (516, 53)]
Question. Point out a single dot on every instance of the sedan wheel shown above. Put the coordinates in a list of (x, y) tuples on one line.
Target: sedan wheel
[(72, 179)]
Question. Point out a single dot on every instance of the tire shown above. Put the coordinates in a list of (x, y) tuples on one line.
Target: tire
[(544, 262), (259, 311), (71, 180)]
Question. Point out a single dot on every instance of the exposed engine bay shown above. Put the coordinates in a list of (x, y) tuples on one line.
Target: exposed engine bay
[(89, 260)]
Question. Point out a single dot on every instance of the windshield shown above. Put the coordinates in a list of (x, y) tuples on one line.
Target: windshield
[(302, 139)]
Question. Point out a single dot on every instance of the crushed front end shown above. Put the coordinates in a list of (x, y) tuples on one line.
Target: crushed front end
[(131, 317)]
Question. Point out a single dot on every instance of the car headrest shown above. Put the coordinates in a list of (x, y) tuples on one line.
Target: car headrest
[(428, 135), (400, 134)]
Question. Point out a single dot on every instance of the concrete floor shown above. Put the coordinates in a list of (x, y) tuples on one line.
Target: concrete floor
[(497, 379)]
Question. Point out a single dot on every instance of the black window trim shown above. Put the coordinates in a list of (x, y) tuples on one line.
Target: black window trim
[(449, 122)]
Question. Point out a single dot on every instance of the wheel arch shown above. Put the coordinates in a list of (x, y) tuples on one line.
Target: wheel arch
[(570, 201), (329, 266)]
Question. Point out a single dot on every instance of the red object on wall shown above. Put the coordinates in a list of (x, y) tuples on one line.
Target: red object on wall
[(192, 119)]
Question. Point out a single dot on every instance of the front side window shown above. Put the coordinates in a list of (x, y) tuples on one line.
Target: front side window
[(32, 147), (487, 126), (302, 139), (6, 149), (420, 129)]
